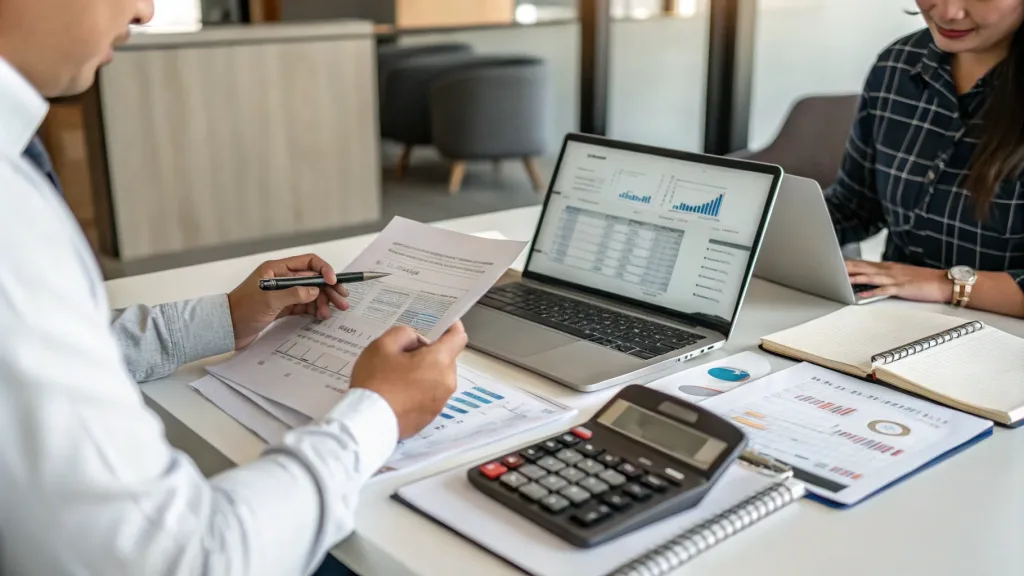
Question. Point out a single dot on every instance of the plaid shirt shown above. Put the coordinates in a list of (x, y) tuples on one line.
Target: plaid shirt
[(905, 163)]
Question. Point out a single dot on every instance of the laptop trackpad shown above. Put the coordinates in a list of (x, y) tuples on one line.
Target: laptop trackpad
[(510, 335)]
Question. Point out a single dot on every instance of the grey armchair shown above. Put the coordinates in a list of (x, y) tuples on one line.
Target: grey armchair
[(812, 141), (390, 56), (492, 109)]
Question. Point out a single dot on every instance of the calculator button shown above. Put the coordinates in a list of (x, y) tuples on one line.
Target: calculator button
[(553, 482), (590, 466), (593, 485), (551, 445), (493, 469), (611, 477), (533, 491), (589, 450), (532, 453), (629, 470), (554, 502), (636, 491), (591, 514), (582, 433), (551, 464), (646, 462), (575, 494), (609, 460), (569, 456), (655, 481), (569, 439), (572, 475), (615, 500), (512, 461), (674, 475), (533, 472), (514, 479)]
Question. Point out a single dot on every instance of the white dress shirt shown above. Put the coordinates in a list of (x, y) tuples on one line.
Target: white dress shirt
[(88, 481)]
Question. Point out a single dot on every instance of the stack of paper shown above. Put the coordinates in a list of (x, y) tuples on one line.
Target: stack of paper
[(299, 369)]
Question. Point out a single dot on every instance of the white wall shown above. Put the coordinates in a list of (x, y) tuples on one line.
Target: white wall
[(658, 78), (806, 47)]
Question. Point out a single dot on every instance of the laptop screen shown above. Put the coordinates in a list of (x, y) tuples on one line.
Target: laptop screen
[(671, 233)]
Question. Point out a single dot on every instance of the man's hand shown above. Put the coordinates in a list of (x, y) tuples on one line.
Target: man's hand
[(253, 309), (901, 280), (415, 379)]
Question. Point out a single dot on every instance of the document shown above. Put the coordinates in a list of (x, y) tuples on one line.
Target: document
[(481, 411), (714, 378), (844, 437), (436, 276)]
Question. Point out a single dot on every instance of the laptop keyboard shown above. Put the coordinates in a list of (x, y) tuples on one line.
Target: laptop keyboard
[(862, 288), (602, 326)]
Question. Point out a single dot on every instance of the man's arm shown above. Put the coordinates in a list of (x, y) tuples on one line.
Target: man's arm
[(89, 483), (156, 341)]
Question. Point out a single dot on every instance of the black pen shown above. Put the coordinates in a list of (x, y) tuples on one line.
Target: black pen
[(293, 281)]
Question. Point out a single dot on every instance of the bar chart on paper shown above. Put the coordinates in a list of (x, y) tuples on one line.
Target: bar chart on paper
[(480, 409)]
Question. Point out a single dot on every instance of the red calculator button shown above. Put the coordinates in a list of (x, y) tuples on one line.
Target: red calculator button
[(582, 433), (493, 469), (512, 461)]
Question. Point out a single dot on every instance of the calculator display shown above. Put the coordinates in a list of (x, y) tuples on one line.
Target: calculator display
[(667, 435)]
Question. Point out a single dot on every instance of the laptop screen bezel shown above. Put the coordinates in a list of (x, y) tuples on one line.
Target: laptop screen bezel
[(719, 161)]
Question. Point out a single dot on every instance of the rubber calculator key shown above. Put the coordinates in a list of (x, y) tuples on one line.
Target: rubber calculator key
[(569, 456), (636, 491), (514, 479), (590, 466), (551, 445), (569, 439), (589, 450), (533, 491), (532, 471), (575, 494), (553, 482), (555, 503), (629, 470), (591, 514), (655, 481), (609, 460), (613, 478), (572, 474), (616, 500), (593, 485), (532, 453)]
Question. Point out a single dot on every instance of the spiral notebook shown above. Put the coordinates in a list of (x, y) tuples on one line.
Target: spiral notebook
[(743, 497), (969, 366)]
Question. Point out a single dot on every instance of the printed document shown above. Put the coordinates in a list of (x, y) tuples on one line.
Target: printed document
[(481, 411), (845, 438), (436, 276)]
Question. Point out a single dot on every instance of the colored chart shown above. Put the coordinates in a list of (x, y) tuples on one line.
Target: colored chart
[(727, 375), (710, 208), (634, 198), (889, 428), (469, 399)]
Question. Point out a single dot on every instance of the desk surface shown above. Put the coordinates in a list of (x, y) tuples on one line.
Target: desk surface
[(962, 516)]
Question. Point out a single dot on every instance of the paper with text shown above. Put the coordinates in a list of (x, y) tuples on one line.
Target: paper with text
[(436, 276), (846, 438)]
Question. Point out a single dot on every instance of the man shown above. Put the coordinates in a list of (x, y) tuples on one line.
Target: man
[(88, 483)]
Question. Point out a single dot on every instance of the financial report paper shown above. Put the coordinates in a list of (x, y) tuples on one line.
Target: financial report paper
[(845, 438), (436, 276)]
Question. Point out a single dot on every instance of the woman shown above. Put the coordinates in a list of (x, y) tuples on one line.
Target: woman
[(936, 156)]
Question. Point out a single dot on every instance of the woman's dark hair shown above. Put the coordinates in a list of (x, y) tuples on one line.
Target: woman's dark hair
[(1000, 152)]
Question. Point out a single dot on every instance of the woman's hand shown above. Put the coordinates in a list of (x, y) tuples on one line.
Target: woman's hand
[(901, 280), (253, 309)]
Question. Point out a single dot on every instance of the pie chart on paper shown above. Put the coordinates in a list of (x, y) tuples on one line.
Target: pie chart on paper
[(729, 376)]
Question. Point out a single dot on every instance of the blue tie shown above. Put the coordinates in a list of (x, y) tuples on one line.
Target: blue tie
[(36, 154)]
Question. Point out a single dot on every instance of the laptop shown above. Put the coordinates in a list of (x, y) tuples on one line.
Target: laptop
[(800, 248), (640, 261)]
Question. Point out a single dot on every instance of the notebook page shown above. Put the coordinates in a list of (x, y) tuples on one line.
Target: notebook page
[(984, 369), (450, 499), (854, 334)]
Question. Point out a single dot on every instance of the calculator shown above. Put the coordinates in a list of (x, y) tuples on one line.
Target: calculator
[(643, 457)]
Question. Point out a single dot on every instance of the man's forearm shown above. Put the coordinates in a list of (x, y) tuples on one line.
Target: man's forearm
[(156, 340)]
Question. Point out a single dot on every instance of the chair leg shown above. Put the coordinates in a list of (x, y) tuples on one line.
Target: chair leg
[(403, 161), (531, 168), (458, 173)]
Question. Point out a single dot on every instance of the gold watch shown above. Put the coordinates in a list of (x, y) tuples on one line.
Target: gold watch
[(963, 278)]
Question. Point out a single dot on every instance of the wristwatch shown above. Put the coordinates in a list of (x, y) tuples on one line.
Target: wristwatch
[(963, 278)]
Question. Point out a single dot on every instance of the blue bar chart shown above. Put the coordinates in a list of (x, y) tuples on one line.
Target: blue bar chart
[(634, 198), (470, 399), (710, 208)]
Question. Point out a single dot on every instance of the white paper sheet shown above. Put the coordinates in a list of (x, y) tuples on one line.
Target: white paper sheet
[(714, 378), (851, 438), (481, 411), (437, 275)]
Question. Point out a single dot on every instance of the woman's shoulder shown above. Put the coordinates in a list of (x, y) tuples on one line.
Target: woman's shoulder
[(906, 53)]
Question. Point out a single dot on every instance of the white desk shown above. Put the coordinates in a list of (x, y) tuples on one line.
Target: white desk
[(963, 516)]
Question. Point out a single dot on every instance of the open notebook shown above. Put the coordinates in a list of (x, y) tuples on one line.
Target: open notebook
[(741, 498), (965, 365)]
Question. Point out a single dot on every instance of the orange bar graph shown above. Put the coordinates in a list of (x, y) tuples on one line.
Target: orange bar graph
[(748, 422)]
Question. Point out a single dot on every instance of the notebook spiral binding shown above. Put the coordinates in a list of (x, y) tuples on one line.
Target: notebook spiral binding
[(925, 343), (691, 543)]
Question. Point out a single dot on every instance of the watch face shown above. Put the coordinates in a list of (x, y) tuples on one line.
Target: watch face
[(962, 274)]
